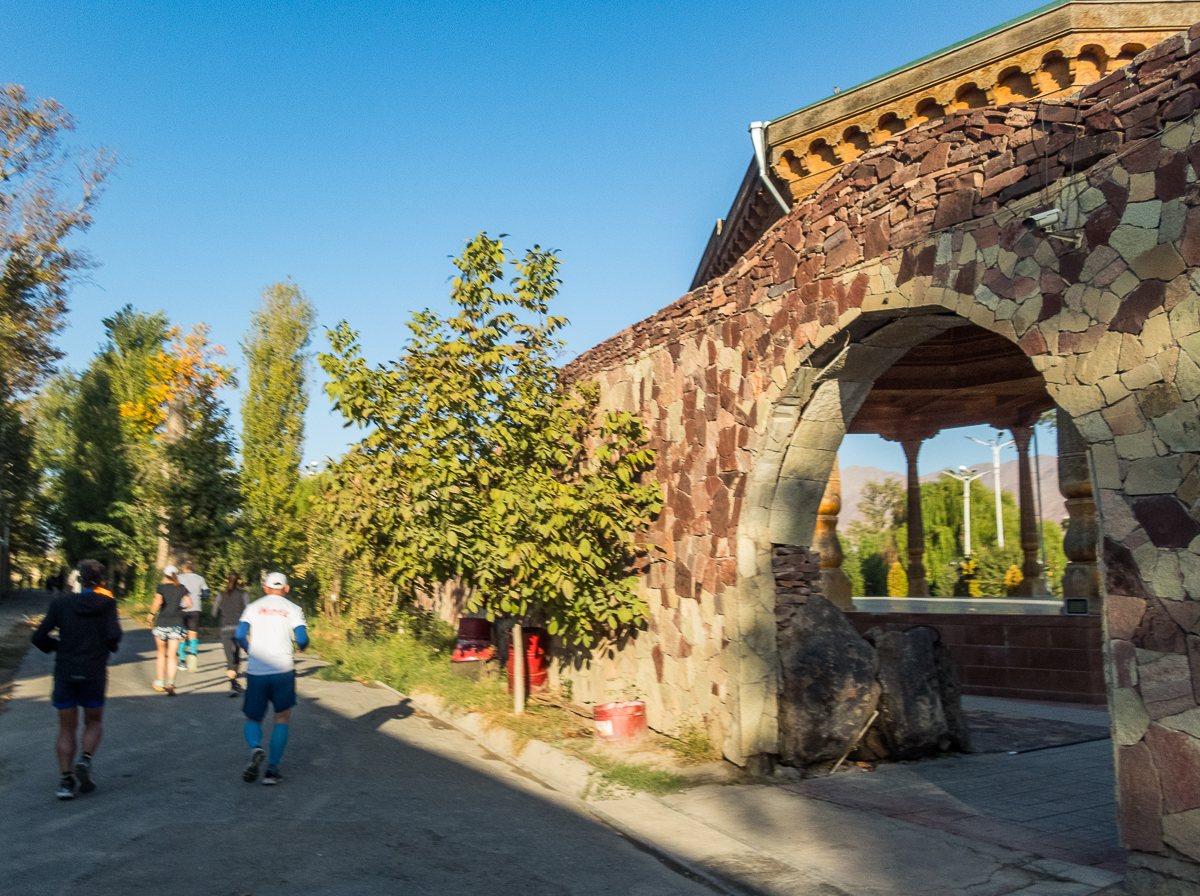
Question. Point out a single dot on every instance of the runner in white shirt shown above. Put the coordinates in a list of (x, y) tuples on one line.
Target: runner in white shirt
[(265, 632)]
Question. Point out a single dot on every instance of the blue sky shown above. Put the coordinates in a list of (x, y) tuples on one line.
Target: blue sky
[(354, 146)]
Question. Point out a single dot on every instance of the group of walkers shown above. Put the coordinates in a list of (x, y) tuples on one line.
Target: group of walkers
[(175, 615), (89, 631)]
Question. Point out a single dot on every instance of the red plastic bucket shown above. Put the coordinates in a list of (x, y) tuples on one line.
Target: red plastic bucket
[(536, 668), (620, 721), (474, 629)]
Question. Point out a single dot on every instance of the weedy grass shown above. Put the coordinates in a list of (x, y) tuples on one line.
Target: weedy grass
[(636, 776), (398, 659), (420, 662), (693, 746)]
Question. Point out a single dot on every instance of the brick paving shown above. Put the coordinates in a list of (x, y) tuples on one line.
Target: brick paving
[(1057, 802)]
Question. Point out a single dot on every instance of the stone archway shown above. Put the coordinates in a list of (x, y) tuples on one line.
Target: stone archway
[(747, 384)]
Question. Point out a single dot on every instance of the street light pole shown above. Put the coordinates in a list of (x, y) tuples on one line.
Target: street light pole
[(996, 447), (966, 476)]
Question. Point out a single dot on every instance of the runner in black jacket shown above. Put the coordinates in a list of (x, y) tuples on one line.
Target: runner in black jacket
[(88, 631)]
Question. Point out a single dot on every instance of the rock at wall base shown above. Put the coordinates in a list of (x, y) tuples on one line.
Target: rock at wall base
[(912, 719), (829, 685)]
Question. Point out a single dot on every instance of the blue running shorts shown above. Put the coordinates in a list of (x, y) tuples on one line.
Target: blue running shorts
[(85, 692), (280, 689)]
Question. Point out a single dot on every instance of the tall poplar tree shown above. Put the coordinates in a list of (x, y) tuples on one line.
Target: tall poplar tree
[(273, 426)]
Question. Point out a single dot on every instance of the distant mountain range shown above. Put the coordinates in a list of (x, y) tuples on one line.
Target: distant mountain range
[(1054, 505)]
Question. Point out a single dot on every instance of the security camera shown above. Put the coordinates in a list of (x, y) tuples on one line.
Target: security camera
[(1044, 220)]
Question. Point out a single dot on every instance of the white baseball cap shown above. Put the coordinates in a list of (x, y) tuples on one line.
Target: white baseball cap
[(275, 580), (170, 570)]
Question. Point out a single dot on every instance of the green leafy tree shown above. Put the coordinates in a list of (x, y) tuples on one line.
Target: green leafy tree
[(107, 477), (20, 517), (202, 497), (39, 213), (480, 465), (273, 426)]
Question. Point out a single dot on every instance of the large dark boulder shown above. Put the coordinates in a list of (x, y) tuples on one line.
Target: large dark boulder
[(950, 690), (829, 688), (913, 720)]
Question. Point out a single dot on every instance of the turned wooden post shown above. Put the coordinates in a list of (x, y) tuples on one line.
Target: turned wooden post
[(835, 584), (1032, 584), (1081, 578), (918, 585)]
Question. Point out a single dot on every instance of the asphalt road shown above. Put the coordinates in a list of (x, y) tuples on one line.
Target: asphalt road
[(378, 798)]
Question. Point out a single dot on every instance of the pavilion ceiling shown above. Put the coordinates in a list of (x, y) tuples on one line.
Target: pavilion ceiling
[(965, 376)]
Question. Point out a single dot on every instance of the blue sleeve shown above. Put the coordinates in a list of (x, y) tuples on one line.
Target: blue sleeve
[(301, 637), (243, 630)]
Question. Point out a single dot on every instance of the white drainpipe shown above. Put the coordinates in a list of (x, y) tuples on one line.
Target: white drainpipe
[(758, 131)]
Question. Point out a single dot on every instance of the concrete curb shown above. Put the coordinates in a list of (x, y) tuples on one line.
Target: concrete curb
[(568, 775)]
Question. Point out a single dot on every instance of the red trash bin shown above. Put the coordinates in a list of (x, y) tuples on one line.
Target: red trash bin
[(620, 721)]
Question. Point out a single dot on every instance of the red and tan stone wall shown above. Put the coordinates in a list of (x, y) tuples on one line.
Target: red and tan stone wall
[(747, 386)]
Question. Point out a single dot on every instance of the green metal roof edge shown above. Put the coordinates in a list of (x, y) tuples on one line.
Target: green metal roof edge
[(962, 43)]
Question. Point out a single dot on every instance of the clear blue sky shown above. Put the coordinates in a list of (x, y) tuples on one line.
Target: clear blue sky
[(353, 146)]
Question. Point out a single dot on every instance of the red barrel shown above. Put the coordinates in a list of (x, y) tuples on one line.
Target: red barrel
[(537, 640), (474, 629), (620, 721)]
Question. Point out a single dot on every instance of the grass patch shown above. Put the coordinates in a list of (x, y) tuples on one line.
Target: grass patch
[(638, 777), (418, 659), (400, 660), (693, 746)]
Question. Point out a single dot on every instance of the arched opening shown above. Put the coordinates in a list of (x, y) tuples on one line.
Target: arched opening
[(1090, 64), (1129, 51), (793, 165), (854, 143), (1055, 73), (927, 110), (964, 376), (969, 96), (905, 375), (889, 125), (1014, 85), (820, 157)]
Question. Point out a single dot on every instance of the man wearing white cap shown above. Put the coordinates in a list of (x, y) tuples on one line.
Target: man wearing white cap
[(265, 632)]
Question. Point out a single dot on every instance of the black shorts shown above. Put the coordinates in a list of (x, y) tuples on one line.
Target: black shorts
[(85, 692), (191, 621)]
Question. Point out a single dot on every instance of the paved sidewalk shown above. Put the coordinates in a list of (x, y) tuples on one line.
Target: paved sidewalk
[(1034, 824), (1040, 823)]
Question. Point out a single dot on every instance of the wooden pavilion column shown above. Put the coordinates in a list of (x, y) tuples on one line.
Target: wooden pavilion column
[(835, 584), (918, 585), (1081, 578), (1032, 584)]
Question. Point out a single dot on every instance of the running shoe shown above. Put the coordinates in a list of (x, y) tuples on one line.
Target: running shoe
[(272, 776), (83, 772), (193, 662), (66, 788), (250, 773), (170, 689), (158, 685)]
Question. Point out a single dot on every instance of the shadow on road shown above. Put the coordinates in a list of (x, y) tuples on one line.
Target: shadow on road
[(376, 800)]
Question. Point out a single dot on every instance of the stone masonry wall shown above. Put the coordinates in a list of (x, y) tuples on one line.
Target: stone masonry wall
[(748, 383)]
